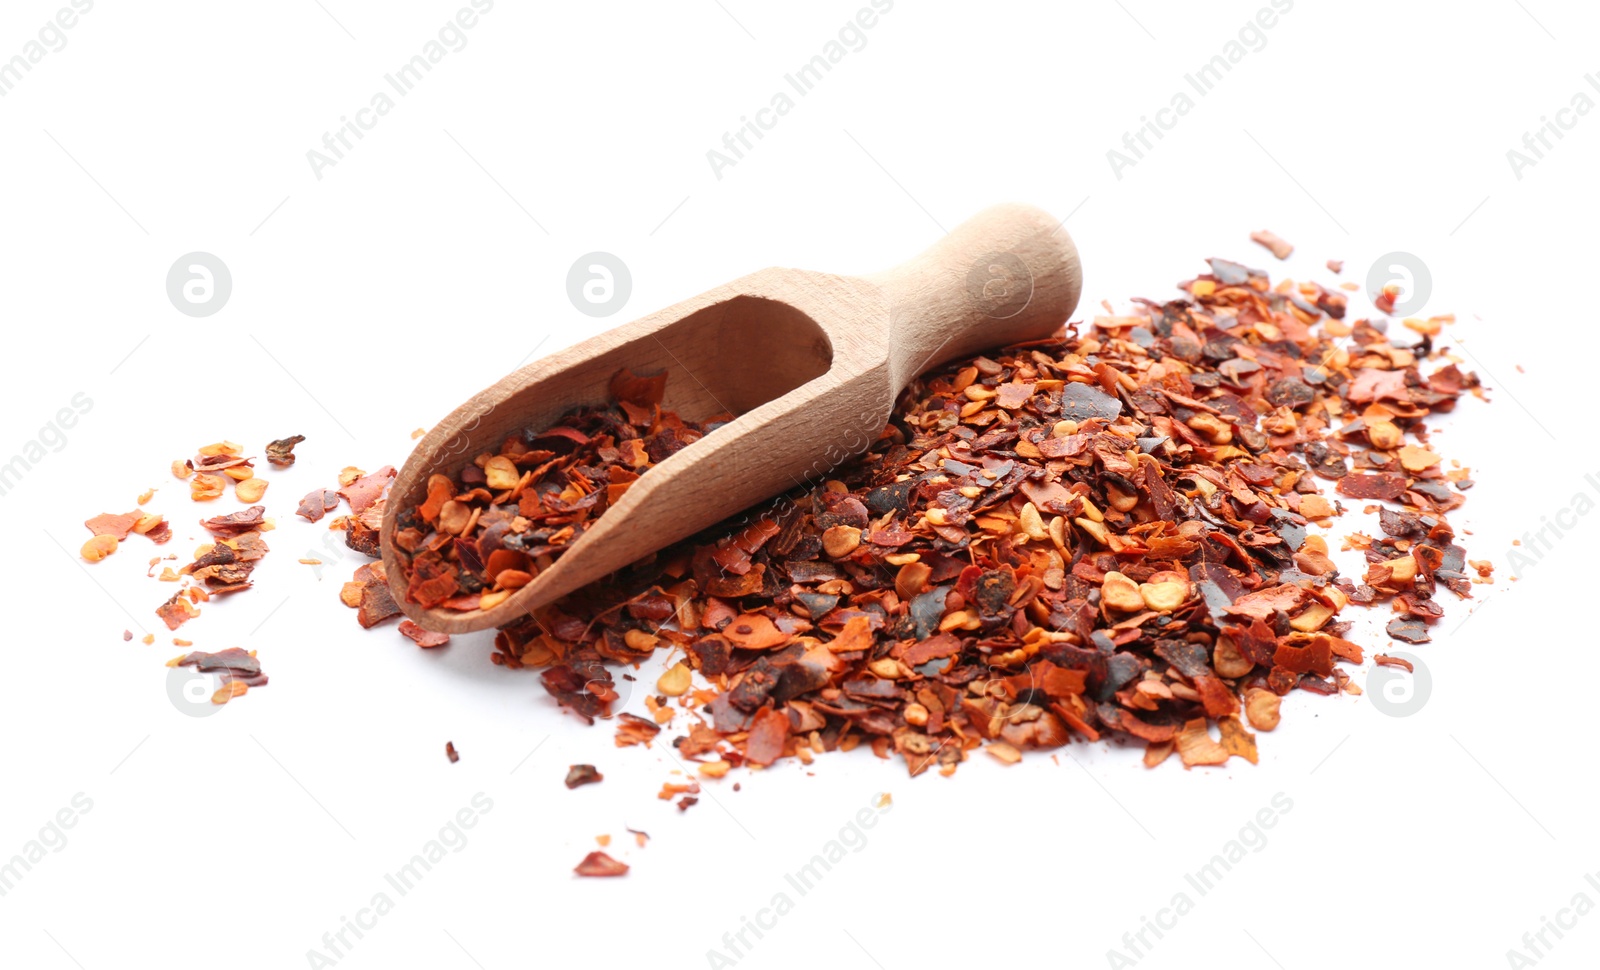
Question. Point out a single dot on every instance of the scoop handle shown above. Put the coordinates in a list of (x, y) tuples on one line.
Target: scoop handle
[(1009, 274)]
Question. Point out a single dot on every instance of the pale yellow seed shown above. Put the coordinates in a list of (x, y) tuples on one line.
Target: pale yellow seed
[(250, 490), (1031, 523), (99, 547), (1219, 431), (1261, 707), (1095, 529), (1384, 434), (1403, 569), (501, 473), (675, 682), (1164, 597), (640, 641), (886, 668), (1121, 593), (841, 540)]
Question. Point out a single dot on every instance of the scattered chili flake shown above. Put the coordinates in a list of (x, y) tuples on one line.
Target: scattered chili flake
[(234, 664), (281, 452), (580, 775), (600, 864), (177, 611), (317, 503), (450, 752), (424, 638), (632, 729), (116, 526), (1389, 661), (1279, 247), (1409, 628), (236, 523)]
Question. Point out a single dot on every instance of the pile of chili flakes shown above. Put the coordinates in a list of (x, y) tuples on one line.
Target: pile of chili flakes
[(507, 516), (221, 566), (1100, 534)]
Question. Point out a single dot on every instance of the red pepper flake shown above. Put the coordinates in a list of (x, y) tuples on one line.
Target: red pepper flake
[(599, 864), (177, 611), (236, 524), (450, 752), (580, 775), (1389, 661), (367, 489), (1279, 247), (426, 639), (632, 729), (377, 605), (232, 664), (317, 503), (107, 524), (281, 451), (767, 735)]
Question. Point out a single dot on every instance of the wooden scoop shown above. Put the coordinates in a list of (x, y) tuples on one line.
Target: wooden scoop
[(810, 363)]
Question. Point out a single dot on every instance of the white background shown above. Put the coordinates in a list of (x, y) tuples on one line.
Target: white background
[(432, 260)]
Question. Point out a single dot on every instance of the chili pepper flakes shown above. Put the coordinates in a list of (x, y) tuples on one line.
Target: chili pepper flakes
[(450, 752), (1279, 247), (1103, 532), (599, 864), (580, 775), (281, 452), (234, 664), (427, 639), (509, 514)]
